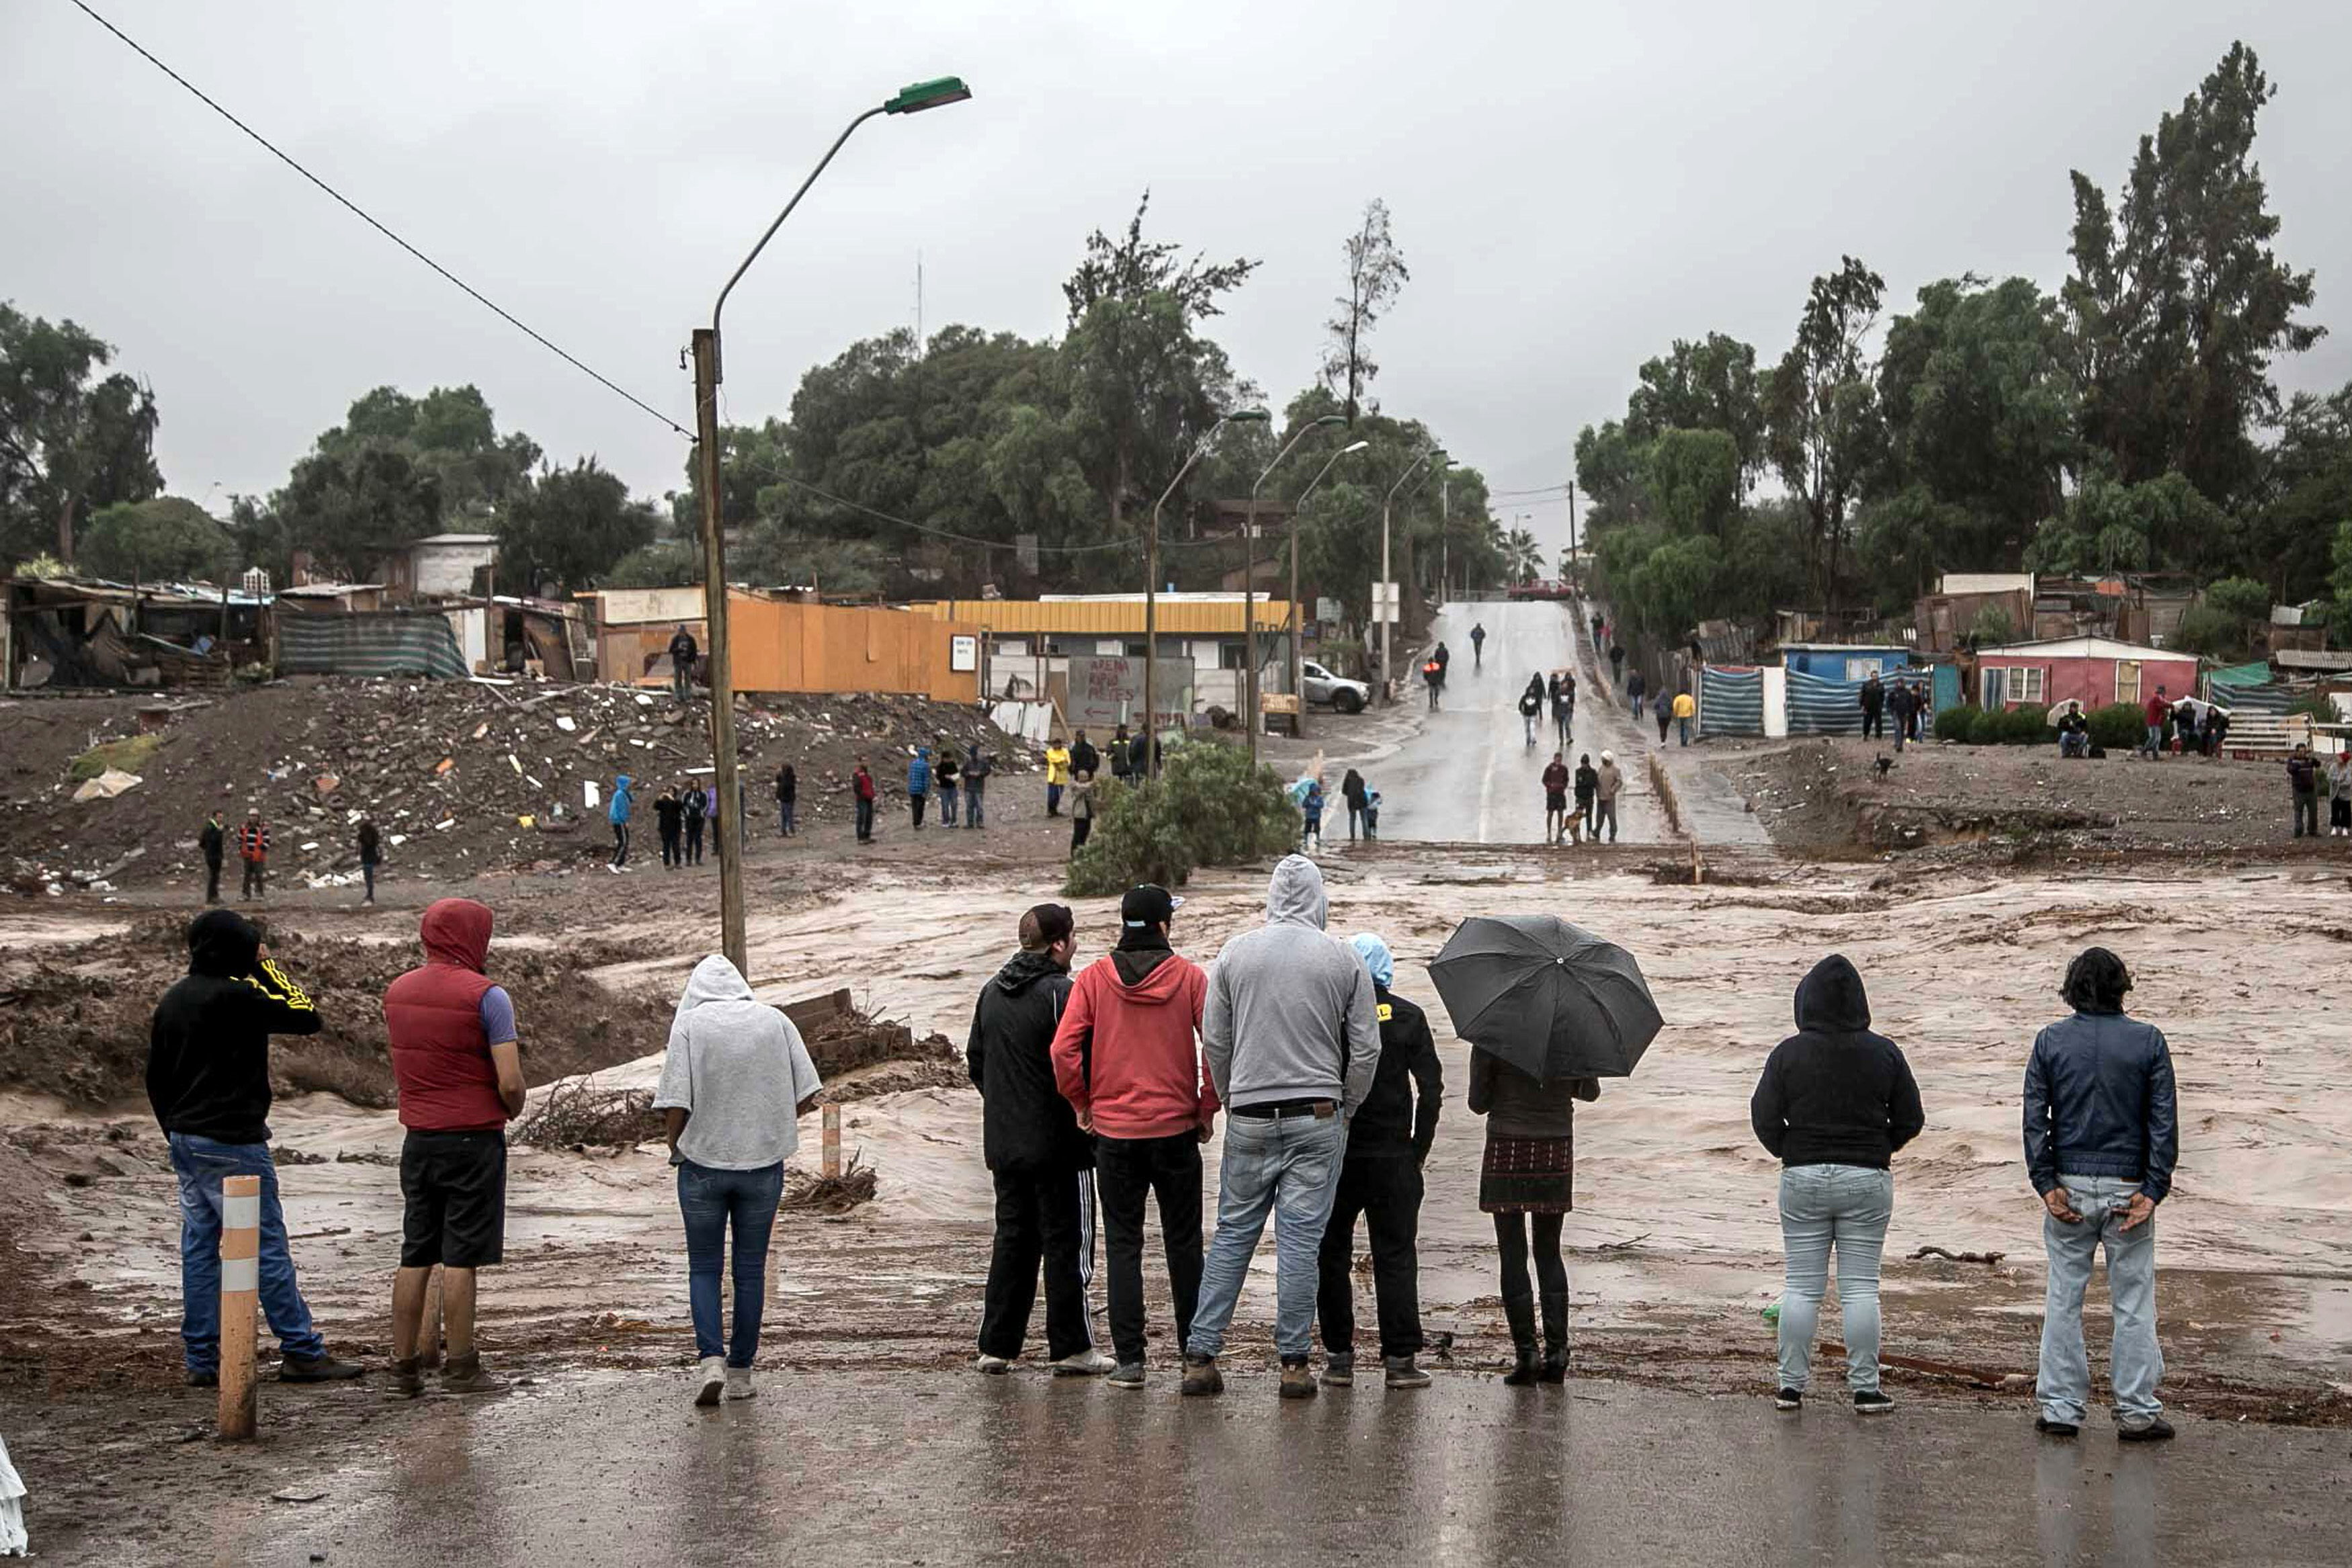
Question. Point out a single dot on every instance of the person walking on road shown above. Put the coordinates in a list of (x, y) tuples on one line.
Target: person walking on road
[(1633, 690), (457, 1067), (2303, 780), (1584, 824), (682, 653), (1526, 1182), (1041, 1163), (208, 1085), (1903, 707), (1291, 1036), (1125, 1059), (977, 767), (1873, 698), (616, 814), (253, 855), (1563, 707), (1531, 707), (1555, 788), (2102, 1136), (1380, 1178), (1082, 809), (788, 794), (1432, 675), (736, 1078), (1834, 1104), (1478, 648), (370, 847), (695, 816), (1616, 663), (861, 793), (1661, 708), (1057, 775), (1311, 816), (212, 841), (2156, 710), (1352, 790), (1685, 709), (946, 774), (669, 820), (1606, 784), (2339, 797), (918, 784)]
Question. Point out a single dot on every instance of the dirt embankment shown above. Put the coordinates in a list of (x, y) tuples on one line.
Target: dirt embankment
[(460, 778)]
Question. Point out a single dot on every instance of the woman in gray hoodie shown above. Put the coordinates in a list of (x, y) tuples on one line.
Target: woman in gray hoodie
[(734, 1084)]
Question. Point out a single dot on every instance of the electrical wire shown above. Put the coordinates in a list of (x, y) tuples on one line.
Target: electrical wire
[(370, 219)]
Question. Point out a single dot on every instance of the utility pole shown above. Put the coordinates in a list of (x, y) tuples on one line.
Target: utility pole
[(1256, 720), (1394, 607), (732, 939), (1151, 590), (1575, 565), (1444, 523)]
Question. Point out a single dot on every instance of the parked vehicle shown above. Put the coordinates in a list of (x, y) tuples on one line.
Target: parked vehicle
[(1340, 692)]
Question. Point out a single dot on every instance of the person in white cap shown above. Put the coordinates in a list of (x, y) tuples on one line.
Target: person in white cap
[(1604, 811)]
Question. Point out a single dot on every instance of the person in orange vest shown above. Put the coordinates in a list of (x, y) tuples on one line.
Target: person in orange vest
[(253, 849), (1433, 673)]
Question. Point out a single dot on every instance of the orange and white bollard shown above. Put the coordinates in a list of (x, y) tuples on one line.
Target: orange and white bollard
[(830, 1166), (240, 1299)]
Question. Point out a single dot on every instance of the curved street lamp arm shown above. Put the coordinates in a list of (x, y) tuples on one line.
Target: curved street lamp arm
[(737, 277)]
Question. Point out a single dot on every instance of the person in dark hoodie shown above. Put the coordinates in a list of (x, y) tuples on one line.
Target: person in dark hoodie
[(212, 839), (977, 767), (1833, 1104), (696, 805), (457, 1066), (1380, 1179), (788, 795), (371, 855), (1352, 790), (1042, 1165), (669, 814), (1125, 1058), (208, 1082)]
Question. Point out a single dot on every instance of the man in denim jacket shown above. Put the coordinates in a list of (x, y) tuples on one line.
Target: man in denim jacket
[(2102, 1134)]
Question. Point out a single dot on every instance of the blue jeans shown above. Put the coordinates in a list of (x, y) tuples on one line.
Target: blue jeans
[(1845, 1206), (1287, 1165), (1683, 726), (712, 1201), (2135, 1365), (784, 815), (2152, 747), (1052, 800), (975, 806), (201, 1164), (947, 805)]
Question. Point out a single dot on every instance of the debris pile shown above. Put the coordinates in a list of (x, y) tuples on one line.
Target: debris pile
[(576, 1113)]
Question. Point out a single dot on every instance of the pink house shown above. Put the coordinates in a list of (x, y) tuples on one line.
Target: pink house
[(2093, 670)]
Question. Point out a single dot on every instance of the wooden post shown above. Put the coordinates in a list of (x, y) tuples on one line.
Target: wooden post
[(240, 1297), (831, 1159)]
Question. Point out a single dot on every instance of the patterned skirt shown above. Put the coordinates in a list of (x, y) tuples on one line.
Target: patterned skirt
[(1528, 1175)]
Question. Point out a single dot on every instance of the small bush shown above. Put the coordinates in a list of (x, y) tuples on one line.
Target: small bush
[(1206, 808), (2118, 726), (131, 755), (2213, 633), (1958, 724), (2028, 725)]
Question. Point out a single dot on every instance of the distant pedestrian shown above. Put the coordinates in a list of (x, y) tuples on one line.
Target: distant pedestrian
[(1531, 707), (918, 784), (682, 655), (1915, 712), (1585, 822), (1899, 700), (617, 813), (253, 852), (1057, 775), (1607, 783), (2339, 796), (2303, 779), (1125, 1059), (977, 767), (1084, 757), (1873, 698), (1554, 788), (1082, 808), (1388, 1140), (696, 818), (1433, 676), (861, 792), (1833, 1105), (947, 776), (1526, 1182), (788, 794), (1661, 708), (1685, 709), (2102, 1136), (1041, 1163), (1563, 707), (371, 846), (1477, 647), (1291, 1036), (669, 822), (457, 1065), (1371, 812), (2156, 710), (1600, 633), (1616, 664), (1351, 791), (1633, 690), (212, 840), (1122, 759), (735, 1078), (208, 1085), (1311, 816), (1444, 657)]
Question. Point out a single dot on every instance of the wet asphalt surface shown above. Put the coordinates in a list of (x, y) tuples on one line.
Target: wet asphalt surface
[(947, 1468)]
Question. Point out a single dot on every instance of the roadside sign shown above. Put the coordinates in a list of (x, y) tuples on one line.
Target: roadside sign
[(1384, 603)]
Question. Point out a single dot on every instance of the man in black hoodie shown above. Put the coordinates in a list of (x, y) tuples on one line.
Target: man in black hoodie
[(1834, 1104), (212, 839), (1041, 1164), (208, 1082)]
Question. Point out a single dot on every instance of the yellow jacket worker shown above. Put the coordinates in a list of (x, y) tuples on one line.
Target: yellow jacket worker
[(1058, 774), (1685, 709)]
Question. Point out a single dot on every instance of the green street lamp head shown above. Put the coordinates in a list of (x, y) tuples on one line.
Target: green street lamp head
[(919, 96), (1256, 415), (1332, 419)]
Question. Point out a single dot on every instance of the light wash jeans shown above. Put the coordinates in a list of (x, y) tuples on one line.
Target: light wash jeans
[(2135, 1365), (1846, 1206), (713, 1203), (1288, 1166), (202, 1165)]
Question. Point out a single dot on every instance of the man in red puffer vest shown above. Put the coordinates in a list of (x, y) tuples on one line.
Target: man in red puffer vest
[(458, 1068)]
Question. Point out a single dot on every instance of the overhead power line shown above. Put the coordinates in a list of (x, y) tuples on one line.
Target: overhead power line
[(370, 219)]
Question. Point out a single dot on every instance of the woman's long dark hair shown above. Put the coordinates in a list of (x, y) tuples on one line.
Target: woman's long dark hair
[(2096, 982)]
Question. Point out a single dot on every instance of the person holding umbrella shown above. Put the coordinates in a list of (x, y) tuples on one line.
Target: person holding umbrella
[(1549, 1009)]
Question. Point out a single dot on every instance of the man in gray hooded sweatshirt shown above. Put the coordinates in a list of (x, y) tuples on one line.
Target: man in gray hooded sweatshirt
[(1292, 1039)]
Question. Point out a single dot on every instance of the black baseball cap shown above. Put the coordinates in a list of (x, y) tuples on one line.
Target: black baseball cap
[(1150, 904), (1054, 921)]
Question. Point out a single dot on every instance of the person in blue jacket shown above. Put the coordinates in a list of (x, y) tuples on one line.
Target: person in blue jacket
[(919, 783), (618, 813)]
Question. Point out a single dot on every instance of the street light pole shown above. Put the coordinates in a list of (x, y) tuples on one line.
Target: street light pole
[(725, 776), (1297, 652), (1151, 590), (1410, 469), (1251, 716)]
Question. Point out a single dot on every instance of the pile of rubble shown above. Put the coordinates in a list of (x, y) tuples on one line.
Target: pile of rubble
[(460, 776)]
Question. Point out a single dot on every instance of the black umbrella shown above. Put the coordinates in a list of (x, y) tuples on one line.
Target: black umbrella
[(1550, 999)]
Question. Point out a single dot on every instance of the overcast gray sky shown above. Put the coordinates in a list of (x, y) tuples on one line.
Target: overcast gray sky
[(1573, 186)]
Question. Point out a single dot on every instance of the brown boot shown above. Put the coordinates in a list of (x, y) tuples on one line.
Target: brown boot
[(464, 1374), (407, 1380)]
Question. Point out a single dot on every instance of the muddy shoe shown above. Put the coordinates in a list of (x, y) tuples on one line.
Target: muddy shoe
[(1201, 1378), (317, 1369), (991, 1365), (407, 1380), (1088, 1362), (1339, 1369), (1402, 1373), (710, 1380), (1297, 1380), (738, 1384), (2146, 1430), (464, 1374), (1128, 1375)]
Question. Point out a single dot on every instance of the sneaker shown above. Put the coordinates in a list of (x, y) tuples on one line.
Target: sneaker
[(710, 1379), (1403, 1374), (1088, 1362), (993, 1365), (407, 1380), (208, 1378), (2145, 1429), (1871, 1402), (464, 1374), (1202, 1376), (1297, 1380), (1339, 1370), (321, 1368), (1789, 1399), (1126, 1374), (2049, 1428)]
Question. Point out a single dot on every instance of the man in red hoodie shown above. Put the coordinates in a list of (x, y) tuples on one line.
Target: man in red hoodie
[(1126, 1059), (458, 1068)]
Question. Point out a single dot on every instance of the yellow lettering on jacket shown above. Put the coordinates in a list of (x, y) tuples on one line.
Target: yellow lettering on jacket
[(1385, 1011)]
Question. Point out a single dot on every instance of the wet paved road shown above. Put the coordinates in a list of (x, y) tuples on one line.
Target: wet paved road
[(947, 1468)]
